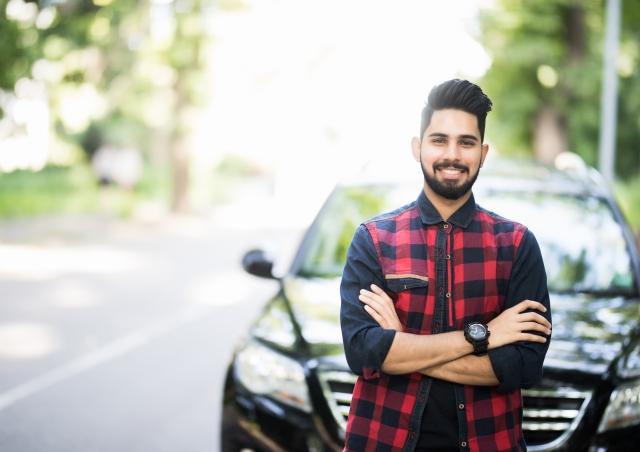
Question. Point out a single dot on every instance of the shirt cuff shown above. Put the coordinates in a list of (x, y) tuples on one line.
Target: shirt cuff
[(505, 361), (380, 345)]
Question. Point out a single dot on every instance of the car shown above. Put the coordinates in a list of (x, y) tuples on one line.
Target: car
[(288, 386)]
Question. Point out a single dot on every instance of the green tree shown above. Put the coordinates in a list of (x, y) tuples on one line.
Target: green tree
[(124, 72), (545, 78)]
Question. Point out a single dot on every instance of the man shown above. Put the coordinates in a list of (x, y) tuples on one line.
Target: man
[(445, 308)]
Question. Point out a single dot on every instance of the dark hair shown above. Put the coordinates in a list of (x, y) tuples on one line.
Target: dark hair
[(461, 95)]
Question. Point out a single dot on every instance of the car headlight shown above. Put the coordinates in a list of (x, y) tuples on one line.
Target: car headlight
[(623, 409), (266, 372)]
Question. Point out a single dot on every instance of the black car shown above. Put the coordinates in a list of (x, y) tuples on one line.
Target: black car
[(288, 387)]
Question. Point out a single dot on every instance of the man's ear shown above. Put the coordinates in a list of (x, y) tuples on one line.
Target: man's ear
[(415, 148), (484, 151)]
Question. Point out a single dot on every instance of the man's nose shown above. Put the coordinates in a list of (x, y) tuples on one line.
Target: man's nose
[(453, 151)]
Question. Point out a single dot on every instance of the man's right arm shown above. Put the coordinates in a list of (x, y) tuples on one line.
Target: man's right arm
[(366, 343), (369, 348)]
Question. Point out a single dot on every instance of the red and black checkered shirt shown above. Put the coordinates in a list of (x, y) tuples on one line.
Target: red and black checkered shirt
[(441, 275)]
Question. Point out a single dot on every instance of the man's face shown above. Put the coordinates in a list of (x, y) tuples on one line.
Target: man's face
[(450, 153)]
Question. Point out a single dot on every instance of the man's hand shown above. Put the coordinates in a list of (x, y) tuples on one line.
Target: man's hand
[(515, 325), (379, 306)]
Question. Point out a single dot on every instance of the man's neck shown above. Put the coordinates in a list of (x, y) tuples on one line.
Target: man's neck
[(445, 207)]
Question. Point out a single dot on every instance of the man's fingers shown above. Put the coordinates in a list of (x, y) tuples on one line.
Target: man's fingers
[(530, 304), (371, 301), (383, 300), (377, 317), (377, 290), (533, 326), (385, 310), (534, 317), (528, 337)]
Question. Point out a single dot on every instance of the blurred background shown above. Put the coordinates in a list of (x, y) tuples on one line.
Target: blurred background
[(145, 145)]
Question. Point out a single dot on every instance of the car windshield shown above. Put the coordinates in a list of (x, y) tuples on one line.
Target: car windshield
[(582, 244)]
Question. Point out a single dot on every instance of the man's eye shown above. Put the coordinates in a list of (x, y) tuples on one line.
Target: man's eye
[(438, 140), (467, 143)]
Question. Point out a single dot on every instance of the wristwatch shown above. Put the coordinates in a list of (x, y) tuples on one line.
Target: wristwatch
[(477, 334)]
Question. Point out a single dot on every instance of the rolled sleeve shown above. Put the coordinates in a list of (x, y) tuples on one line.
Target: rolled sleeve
[(519, 365), (366, 344)]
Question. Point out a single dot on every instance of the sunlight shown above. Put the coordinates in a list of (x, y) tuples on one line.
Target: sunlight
[(27, 340), (31, 262)]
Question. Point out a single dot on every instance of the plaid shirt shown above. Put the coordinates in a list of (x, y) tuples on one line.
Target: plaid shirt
[(440, 275)]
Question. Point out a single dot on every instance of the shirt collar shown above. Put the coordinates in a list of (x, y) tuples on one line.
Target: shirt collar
[(461, 217)]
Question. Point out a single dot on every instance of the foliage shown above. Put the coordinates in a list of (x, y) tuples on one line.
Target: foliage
[(54, 189), (628, 194), (73, 189), (550, 54), (116, 72)]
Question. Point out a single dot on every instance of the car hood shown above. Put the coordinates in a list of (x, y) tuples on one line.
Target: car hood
[(588, 331)]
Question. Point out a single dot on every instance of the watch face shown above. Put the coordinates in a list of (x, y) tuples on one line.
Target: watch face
[(477, 332)]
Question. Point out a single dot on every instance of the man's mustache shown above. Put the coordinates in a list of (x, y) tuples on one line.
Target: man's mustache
[(456, 165)]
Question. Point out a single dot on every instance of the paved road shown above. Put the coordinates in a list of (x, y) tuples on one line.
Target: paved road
[(115, 336)]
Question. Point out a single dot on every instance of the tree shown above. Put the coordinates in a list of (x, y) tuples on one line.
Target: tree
[(545, 78), (124, 72)]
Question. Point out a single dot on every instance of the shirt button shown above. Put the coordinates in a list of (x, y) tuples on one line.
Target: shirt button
[(463, 444), (448, 256), (445, 226), (448, 295)]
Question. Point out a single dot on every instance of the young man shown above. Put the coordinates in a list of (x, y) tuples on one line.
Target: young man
[(438, 313)]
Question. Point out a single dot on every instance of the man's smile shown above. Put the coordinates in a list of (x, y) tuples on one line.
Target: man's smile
[(450, 171)]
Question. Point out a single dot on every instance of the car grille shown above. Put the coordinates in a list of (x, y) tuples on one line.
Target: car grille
[(551, 411)]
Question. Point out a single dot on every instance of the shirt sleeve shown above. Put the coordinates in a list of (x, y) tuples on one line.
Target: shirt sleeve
[(366, 344), (519, 365)]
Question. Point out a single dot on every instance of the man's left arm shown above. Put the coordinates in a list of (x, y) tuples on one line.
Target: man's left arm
[(519, 365), (516, 365)]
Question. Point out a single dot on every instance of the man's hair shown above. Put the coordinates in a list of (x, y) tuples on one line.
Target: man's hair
[(460, 95)]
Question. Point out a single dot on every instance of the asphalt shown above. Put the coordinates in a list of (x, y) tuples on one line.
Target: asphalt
[(115, 335)]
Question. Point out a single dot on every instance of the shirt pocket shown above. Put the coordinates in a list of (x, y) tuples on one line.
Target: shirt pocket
[(398, 283), (409, 293)]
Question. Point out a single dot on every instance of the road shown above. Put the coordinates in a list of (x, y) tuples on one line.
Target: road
[(114, 336)]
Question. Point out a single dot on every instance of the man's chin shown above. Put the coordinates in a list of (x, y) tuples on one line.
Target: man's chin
[(448, 189)]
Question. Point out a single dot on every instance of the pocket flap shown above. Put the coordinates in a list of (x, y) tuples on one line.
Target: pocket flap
[(400, 282)]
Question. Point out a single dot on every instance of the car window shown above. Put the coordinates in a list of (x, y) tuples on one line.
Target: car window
[(344, 211), (581, 243)]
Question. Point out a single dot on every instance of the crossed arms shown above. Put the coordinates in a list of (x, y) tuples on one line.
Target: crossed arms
[(374, 341), (447, 356)]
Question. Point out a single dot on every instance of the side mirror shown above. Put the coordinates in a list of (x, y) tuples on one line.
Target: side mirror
[(258, 263)]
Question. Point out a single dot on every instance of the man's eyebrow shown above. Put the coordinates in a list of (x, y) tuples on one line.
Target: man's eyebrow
[(444, 135)]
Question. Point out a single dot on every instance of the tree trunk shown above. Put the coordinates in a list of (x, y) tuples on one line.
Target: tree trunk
[(180, 170), (549, 135)]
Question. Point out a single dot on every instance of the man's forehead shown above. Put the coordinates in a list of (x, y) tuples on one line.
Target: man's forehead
[(452, 121)]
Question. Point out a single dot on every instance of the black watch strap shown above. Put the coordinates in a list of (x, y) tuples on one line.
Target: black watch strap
[(480, 348)]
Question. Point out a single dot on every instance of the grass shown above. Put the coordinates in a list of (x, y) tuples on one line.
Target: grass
[(74, 189)]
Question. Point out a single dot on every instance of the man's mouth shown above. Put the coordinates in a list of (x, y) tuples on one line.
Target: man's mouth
[(451, 170)]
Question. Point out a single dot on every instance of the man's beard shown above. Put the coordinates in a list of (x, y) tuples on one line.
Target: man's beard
[(449, 190)]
